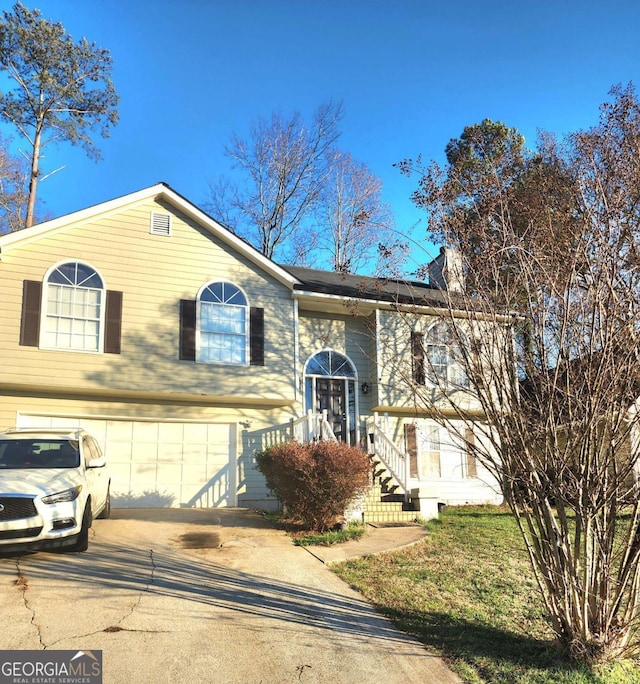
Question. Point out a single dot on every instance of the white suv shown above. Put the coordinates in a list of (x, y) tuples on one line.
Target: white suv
[(53, 483)]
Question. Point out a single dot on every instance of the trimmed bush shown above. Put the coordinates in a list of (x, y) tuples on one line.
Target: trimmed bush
[(316, 481)]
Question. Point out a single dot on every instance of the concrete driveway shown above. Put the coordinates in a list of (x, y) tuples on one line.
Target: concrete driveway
[(212, 595)]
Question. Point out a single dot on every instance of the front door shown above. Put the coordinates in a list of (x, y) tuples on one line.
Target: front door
[(330, 396)]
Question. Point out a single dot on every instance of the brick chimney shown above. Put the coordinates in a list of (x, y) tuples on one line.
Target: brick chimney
[(445, 271)]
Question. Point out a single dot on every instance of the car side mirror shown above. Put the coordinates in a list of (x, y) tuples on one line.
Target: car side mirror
[(97, 462)]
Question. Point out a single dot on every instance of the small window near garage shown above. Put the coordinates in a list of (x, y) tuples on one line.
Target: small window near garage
[(160, 224)]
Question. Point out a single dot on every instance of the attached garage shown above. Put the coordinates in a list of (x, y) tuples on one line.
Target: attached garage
[(160, 463)]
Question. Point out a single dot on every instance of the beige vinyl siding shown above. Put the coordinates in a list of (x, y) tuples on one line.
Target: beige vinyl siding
[(395, 368), (342, 332), (349, 335), (444, 464), (256, 429), (154, 273)]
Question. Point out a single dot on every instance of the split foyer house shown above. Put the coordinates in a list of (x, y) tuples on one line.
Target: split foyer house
[(183, 350)]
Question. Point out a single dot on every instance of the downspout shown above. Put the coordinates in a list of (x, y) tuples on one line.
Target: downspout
[(378, 359), (296, 350)]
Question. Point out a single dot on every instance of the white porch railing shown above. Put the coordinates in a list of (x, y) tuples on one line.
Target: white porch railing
[(315, 426), (312, 427), (385, 450)]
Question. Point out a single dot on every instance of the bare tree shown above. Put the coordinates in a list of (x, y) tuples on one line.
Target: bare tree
[(63, 90), (549, 343), (13, 197), (282, 170), (353, 219)]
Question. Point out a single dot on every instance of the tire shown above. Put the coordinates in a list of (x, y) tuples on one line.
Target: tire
[(82, 540), (106, 511)]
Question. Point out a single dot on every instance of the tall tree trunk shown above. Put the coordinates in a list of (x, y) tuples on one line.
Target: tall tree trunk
[(33, 180)]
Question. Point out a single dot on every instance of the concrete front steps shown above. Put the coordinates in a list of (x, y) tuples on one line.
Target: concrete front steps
[(383, 504)]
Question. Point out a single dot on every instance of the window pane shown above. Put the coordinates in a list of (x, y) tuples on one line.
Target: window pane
[(87, 277), (341, 366), (74, 273), (229, 319), (223, 293), (73, 308), (222, 322), (319, 364), (234, 296), (222, 348), (213, 293), (442, 354), (308, 394), (62, 325), (332, 364), (79, 309), (64, 275)]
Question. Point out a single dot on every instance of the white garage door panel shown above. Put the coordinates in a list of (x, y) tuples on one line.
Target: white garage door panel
[(161, 463)]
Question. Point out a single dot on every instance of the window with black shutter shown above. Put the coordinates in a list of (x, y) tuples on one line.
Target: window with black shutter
[(417, 357), (73, 293)]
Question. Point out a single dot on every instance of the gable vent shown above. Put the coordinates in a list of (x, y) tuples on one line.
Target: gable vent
[(160, 224)]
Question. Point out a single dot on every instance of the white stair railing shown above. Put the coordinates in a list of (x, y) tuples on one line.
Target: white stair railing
[(312, 427), (385, 450)]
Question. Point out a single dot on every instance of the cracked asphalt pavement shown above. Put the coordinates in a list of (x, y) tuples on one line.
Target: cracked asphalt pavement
[(204, 595)]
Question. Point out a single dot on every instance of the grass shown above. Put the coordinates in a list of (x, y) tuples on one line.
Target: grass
[(468, 593), (303, 537), (353, 531)]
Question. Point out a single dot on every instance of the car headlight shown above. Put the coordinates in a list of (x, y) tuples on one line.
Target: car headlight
[(66, 495)]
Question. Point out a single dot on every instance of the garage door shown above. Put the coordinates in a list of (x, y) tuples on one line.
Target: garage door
[(160, 463)]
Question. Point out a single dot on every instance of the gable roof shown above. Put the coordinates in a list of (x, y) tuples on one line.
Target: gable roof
[(371, 288), (160, 191), (300, 279)]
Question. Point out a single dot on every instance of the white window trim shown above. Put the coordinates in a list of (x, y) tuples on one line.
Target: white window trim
[(452, 365), (333, 351), (44, 305), (247, 327), (346, 380), (451, 452)]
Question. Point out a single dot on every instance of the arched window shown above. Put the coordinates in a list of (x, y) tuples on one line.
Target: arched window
[(222, 324), (442, 357), (330, 363), (73, 308)]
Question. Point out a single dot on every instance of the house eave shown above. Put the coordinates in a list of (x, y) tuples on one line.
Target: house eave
[(310, 300), (427, 412), (171, 398), (322, 301)]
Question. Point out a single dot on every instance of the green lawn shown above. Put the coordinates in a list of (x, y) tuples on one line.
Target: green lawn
[(467, 592)]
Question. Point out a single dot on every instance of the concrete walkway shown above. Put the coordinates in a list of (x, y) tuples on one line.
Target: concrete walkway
[(376, 540), (206, 596)]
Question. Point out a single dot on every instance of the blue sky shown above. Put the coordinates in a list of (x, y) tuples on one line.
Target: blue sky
[(411, 75)]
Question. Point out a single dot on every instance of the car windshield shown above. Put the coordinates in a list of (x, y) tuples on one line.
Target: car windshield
[(39, 453)]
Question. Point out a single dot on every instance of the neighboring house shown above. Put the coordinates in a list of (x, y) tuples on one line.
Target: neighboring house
[(184, 350)]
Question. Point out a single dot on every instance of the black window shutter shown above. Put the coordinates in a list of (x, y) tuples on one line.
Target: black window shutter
[(417, 357), (30, 322), (187, 330), (472, 465), (411, 447), (256, 336), (113, 322)]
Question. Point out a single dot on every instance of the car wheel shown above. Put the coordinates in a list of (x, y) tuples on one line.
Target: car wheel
[(82, 540), (106, 511)]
